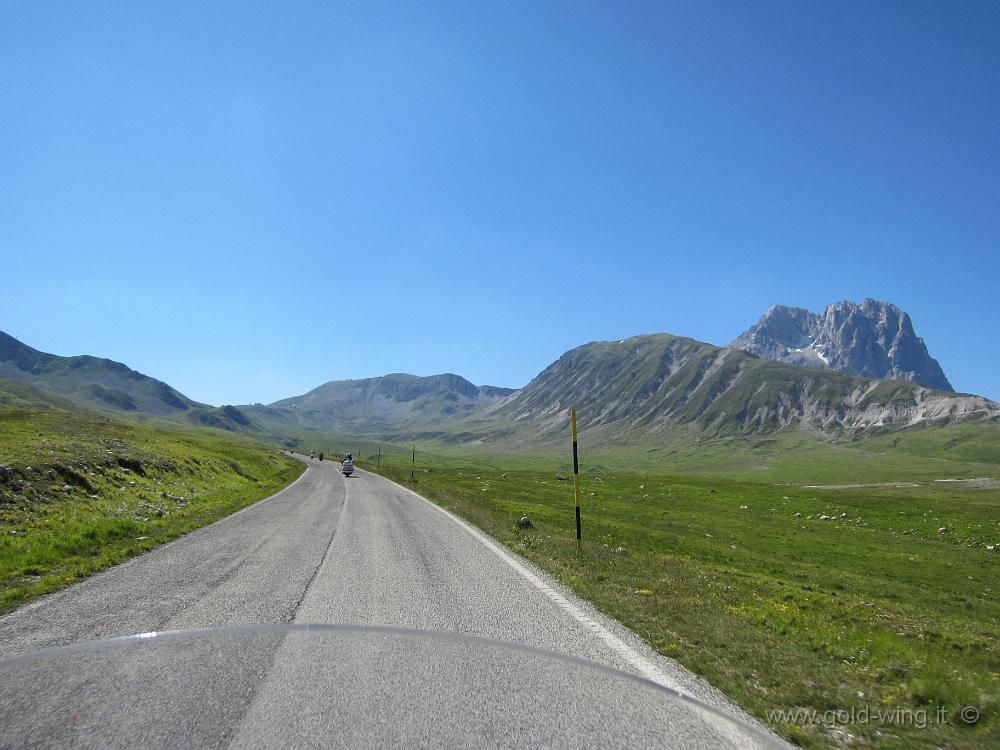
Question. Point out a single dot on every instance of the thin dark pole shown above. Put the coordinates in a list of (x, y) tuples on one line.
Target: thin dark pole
[(576, 485)]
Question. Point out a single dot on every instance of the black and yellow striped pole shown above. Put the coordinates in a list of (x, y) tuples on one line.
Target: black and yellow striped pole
[(576, 484), (413, 461)]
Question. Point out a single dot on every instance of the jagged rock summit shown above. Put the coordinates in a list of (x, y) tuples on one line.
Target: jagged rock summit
[(874, 339)]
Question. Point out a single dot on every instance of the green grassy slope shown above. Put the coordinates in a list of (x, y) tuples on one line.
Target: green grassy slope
[(17, 395), (876, 611), (89, 381), (977, 443), (81, 492), (91, 384)]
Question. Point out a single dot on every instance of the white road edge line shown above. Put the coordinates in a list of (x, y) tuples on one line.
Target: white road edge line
[(728, 728), (642, 665)]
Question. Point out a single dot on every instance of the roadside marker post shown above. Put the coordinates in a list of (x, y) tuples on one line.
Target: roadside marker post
[(378, 461), (576, 485), (413, 462)]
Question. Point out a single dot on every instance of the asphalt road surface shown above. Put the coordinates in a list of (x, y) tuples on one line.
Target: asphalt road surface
[(359, 551)]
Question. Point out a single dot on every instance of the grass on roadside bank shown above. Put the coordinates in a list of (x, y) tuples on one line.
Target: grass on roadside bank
[(81, 493), (871, 612)]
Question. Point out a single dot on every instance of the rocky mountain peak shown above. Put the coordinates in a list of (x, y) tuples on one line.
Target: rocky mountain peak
[(873, 339)]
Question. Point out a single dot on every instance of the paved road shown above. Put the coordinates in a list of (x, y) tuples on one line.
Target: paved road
[(360, 551)]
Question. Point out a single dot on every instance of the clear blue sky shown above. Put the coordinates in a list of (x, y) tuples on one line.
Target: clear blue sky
[(249, 199)]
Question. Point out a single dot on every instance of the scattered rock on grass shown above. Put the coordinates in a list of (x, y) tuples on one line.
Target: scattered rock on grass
[(155, 508), (525, 523)]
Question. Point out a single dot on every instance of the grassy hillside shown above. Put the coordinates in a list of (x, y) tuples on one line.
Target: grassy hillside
[(738, 576), (93, 382), (30, 379), (17, 395), (79, 493), (975, 443)]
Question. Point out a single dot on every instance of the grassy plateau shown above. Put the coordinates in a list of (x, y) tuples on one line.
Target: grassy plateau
[(79, 493), (843, 591), (844, 594)]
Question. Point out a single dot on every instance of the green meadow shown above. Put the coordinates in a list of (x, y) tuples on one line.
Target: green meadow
[(874, 626), (842, 591), (79, 493)]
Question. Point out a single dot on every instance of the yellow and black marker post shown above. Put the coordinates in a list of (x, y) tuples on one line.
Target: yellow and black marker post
[(576, 484)]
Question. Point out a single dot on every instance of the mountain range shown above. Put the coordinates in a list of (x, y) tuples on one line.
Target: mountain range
[(382, 405), (102, 385), (636, 390), (658, 384)]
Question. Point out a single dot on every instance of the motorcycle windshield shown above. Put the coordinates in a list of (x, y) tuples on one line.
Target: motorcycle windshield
[(341, 686)]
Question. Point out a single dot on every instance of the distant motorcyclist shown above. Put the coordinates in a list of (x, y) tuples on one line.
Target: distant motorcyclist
[(347, 467)]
